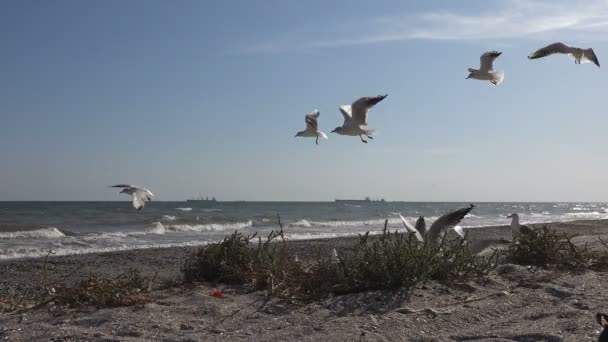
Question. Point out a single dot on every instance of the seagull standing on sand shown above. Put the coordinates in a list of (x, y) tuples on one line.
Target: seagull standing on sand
[(355, 117), (140, 195), (312, 128), (443, 223), (516, 227), (579, 55), (486, 69)]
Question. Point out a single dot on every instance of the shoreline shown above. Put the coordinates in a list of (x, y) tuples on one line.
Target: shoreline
[(476, 233), (532, 304)]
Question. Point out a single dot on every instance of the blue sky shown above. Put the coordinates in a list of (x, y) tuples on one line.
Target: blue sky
[(201, 97)]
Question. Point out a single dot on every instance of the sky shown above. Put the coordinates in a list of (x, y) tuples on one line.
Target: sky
[(193, 98)]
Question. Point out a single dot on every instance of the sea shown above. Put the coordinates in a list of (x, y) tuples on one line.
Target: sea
[(31, 229)]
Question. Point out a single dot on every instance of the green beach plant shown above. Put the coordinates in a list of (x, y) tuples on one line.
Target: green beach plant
[(390, 260), (544, 247)]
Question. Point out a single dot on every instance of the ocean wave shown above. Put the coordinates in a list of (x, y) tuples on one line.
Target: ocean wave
[(301, 223), (47, 233), (184, 209), (36, 252), (591, 214), (212, 210), (311, 236), (169, 217), (157, 228), (210, 227), (376, 223)]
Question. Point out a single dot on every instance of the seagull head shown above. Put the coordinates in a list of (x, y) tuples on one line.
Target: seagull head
[(337, 130), (513, 216)]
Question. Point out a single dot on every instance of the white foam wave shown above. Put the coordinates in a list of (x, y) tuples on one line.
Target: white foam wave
[(588, 215), (33, 252), (210, 227), (311, 236), (48, 233), (373, 224), (157, 228), (169, 217), (212, 210), (184, 209), (301, 223)]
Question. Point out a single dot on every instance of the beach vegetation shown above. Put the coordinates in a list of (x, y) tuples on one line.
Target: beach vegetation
[(104, 291), (389, 260), (547, 248)]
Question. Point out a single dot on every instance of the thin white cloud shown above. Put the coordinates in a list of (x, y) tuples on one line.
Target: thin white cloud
[(515, 19)]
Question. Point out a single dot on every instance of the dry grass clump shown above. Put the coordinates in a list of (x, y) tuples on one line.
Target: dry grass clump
[(389, 261), (265, 265), (102, 291), (545, 247)]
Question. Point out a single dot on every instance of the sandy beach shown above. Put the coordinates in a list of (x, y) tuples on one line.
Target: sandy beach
[(514, 303)]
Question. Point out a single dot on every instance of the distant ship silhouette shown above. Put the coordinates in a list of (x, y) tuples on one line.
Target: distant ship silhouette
[(201, 199), (366, 200)]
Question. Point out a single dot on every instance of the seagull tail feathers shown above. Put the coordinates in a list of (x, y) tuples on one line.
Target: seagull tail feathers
[(368, 131), (498, 77)]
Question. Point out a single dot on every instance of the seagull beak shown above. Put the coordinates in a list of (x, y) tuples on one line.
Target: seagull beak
[(334, 131)]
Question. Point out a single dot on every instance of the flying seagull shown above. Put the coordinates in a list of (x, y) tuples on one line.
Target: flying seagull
[(486, 69), (140, 195), (312, 128), (433, 233), (579, 55), (516, 227), (355, 117)]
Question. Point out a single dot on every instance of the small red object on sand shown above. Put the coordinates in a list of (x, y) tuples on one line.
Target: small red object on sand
[(218, 294)]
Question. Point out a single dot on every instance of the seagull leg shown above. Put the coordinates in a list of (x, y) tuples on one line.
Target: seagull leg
[(365, 141), (369, 136), (494, 82), (317, 140)]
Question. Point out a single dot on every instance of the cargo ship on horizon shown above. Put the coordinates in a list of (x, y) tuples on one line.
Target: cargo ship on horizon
[(202, 200), (366, 200)]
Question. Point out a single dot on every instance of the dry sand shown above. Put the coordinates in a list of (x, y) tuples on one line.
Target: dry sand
[(514, 303)]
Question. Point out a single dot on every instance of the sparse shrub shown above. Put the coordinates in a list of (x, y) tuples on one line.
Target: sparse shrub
[(266, 265), (388, 261), (545, 247), (103, 291), (396, 260), (228, 261)]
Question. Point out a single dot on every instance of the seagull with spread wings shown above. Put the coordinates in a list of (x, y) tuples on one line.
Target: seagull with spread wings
[(442, 224), (312, 127), (579, 55), (140, 195), (355, 117), (486, 69)]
